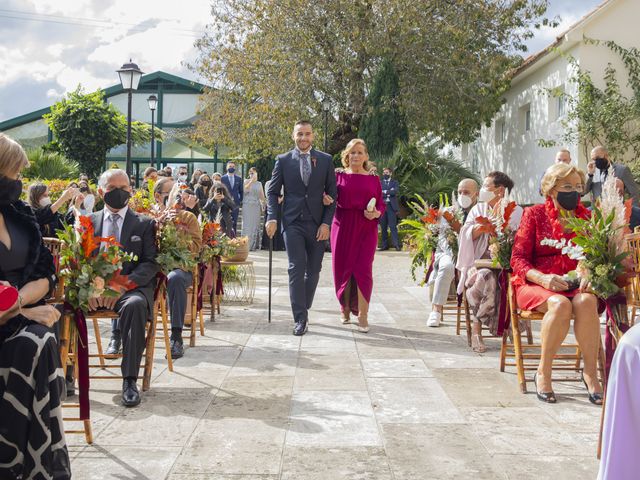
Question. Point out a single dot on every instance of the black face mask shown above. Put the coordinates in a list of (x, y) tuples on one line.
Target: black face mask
[(386, 177), (602, 163), (10, 190), (117, 198), (205, 183), (569, 200)]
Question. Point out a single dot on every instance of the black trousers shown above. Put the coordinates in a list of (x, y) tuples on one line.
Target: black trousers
[(133, 310), (305, 262)]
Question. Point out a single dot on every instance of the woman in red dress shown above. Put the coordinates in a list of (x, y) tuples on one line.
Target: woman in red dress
[(354, 233), (538, 276)]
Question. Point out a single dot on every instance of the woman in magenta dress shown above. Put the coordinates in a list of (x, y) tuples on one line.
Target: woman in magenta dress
[(354, 233)]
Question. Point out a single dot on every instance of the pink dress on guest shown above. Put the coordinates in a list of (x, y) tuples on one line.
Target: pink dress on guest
[(354, 238)]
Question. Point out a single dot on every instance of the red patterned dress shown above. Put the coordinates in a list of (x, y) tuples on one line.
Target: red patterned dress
[(540, 222)]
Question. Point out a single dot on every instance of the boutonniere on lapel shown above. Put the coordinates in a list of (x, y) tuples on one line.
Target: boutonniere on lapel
[(314, 161)]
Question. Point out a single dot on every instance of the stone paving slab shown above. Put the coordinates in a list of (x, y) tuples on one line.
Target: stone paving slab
[(403, 402)]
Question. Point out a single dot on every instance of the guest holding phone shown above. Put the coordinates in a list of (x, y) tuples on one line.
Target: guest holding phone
[(221, 201)]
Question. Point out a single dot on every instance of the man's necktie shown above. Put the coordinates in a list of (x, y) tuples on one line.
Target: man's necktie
[(306, 168), (113, 228), (231, 181)]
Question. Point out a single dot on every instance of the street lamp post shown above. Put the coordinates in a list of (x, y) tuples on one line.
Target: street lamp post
[(129, 74), (153, 103), (326, 105)]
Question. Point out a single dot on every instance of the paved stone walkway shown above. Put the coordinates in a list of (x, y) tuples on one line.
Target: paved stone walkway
[(401, 402)]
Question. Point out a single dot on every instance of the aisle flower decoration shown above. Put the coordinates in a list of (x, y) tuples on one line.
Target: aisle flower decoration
[(142, 200), (501, 235), (215, 242), (88, 270), (174, 245), (421, 234), (604, 265)]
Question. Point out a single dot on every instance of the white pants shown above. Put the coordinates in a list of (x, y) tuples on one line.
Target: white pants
[(444, 273)]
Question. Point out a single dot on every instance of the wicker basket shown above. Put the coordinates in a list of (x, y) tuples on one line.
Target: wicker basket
[(242, 250)]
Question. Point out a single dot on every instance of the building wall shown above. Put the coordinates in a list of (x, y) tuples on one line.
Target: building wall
[(507, 144)]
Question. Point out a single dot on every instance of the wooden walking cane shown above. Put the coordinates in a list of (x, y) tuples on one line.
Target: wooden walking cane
[(270, 272)]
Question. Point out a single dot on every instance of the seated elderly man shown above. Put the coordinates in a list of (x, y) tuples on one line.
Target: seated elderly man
[(136, 234), (171, 199), (482, 284), (444, 261)]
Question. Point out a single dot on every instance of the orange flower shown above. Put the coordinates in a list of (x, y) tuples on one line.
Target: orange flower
[(431, 217), (486, 226)]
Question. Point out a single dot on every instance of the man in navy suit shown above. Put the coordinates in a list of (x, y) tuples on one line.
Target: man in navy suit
[(390, 218), (235, 185), (306, 175)]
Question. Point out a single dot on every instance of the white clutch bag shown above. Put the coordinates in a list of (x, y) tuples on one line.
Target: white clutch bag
[(371, 206)]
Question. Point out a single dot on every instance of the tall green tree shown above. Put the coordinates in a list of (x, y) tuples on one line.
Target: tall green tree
[(271, 63), (86, 128), (384, 123)]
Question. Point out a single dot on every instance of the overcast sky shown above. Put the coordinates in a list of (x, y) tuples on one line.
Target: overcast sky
[(47, 47)]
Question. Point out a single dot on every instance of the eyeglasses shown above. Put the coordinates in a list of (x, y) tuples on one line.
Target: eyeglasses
[(567, 187)]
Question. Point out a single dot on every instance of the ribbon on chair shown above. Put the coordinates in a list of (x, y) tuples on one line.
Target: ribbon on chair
[(617, 325), (82, 354), (162, 282), (219, 286), (504, 313), (202, 268)]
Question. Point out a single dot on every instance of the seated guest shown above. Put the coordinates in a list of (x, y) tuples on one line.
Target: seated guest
[(171, 200), (32, 443), (220, 201), (443, 265), (539, 278), (621, 430), (136, 234), (598, 169), (48, 214), (202, 189), (482, 284)]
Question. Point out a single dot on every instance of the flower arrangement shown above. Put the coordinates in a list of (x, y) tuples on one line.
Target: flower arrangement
[(501, 235), (88, 270), (174, 245), (142, 200), (215, 242), (422, 233)]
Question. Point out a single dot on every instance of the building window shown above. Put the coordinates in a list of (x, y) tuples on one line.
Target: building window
[(475, 161), (561, 105), (500, 131), (525, 118)]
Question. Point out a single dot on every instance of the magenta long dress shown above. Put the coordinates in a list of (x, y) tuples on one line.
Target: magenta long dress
[(354, 238)]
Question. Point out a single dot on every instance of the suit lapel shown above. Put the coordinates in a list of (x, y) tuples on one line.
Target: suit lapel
[(97, 223), (127, 228)]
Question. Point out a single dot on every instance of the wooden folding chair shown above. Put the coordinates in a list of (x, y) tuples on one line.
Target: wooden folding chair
[(632, 291), (193, 315), (527, 357)]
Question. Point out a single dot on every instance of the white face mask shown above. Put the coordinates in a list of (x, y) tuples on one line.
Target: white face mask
[(464, 201), (182, 178), (45, 201), (486, 195)]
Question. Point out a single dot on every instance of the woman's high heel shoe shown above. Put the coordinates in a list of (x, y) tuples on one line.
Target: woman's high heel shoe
[(477, 345), (547, 397), (363, 319), (595, 398)]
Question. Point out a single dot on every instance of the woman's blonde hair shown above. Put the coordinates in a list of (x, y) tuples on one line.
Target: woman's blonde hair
[(557, 172), (350, 146), (12, 156)]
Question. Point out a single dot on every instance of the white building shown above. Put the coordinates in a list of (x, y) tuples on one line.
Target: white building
[(529, 113)]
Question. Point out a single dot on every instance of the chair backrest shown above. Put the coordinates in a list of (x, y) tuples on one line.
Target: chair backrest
[(54, 246), (633, 289)]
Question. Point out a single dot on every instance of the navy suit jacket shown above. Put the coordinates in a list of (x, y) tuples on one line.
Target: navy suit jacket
[(391, 188), (237, 192), (286, 172)]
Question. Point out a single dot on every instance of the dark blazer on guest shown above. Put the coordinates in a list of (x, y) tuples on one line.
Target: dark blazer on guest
[(237, 192), (390, 193), (139, 238), (286, 172), (621, 171)]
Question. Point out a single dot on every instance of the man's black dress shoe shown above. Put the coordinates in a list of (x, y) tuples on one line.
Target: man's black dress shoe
[(382, 249), (130, 393), (70, 387), (177, 349), (114, 345), (398, 248), (300, 328)]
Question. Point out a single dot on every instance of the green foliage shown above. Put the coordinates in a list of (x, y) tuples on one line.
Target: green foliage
[(45, 165), (174, 247), (271, 63), (384, 123), (425, 171), (86, 128), (604, 116)]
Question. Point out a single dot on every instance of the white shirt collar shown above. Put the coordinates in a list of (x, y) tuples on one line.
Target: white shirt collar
[(308, 152), (122, 212)]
